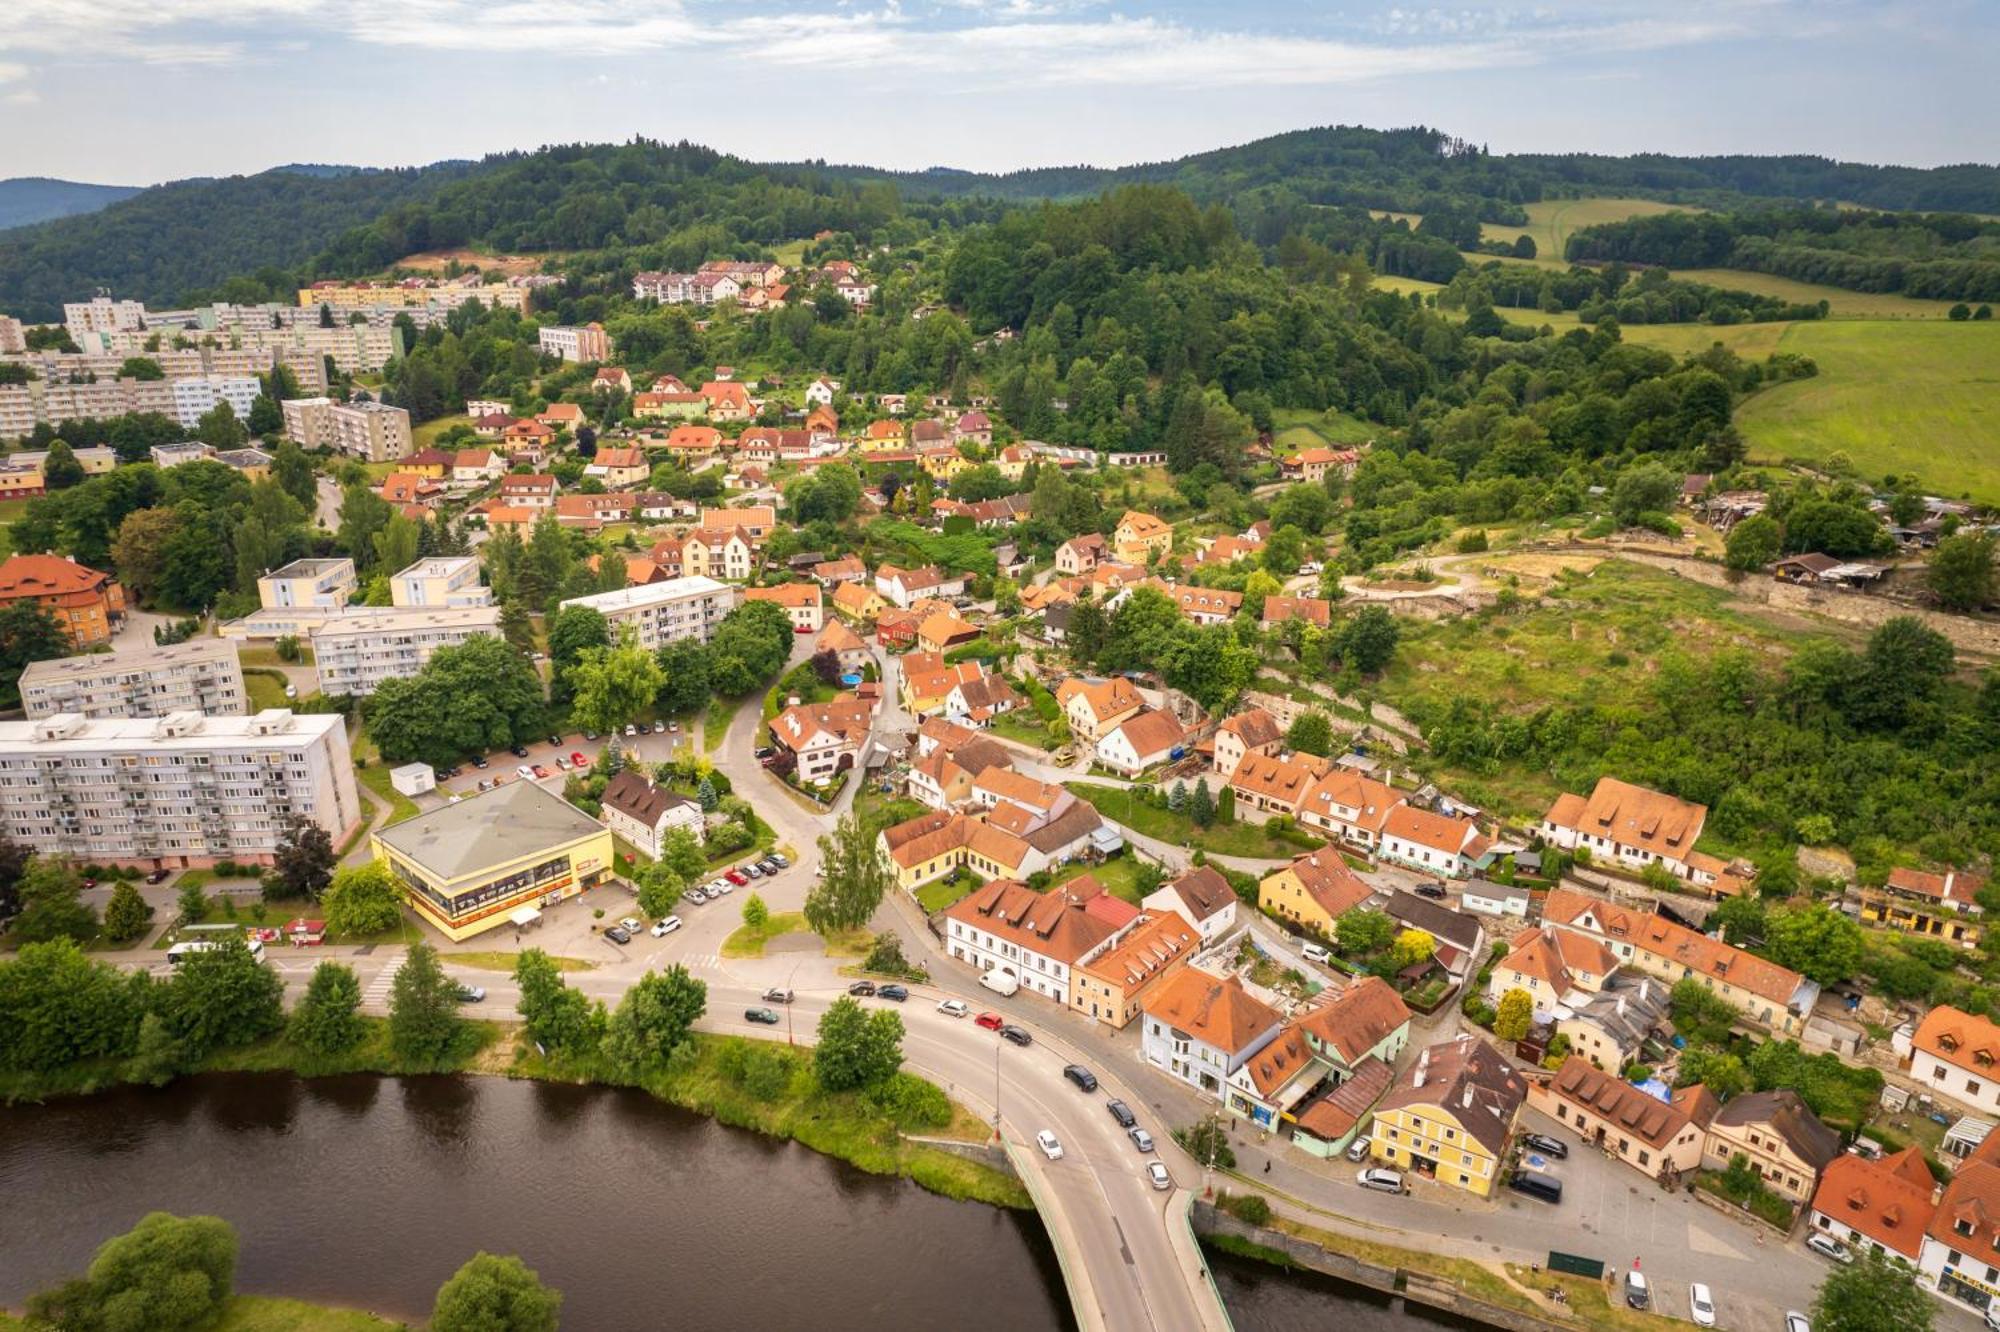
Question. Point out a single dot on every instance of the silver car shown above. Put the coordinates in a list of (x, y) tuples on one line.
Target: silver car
[(1380, 1179)]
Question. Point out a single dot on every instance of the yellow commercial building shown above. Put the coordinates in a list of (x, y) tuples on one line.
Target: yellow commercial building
[(1448, 1116), (495, 859)]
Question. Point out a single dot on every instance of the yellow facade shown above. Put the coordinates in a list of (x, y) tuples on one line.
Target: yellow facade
[(1284, 894), (1432, 1133), (1913, 917), (485, 898)]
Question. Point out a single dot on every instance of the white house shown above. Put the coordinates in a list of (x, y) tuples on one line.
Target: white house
[(1201, 897), (1434, 843), (1494, 899), (1139, 742), (1201, 1029), (1037, 938), (820, 392), (640, 812), (1957, 1054), (1631, 824)]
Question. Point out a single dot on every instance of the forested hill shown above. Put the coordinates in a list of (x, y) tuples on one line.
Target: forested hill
[(251, 237), (26, 199)]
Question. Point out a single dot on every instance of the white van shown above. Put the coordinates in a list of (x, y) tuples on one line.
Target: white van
[(1315, 952), (1000, 982)]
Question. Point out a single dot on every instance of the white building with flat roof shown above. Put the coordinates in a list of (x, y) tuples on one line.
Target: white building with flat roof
[(194, 397), (441, 580), (322, 583), (175, 791), (200, 675), (372, 431), (358, 649), (667, 611)]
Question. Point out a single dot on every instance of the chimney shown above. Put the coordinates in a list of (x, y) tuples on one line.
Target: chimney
[(1466, 1103), (1621, 1005)]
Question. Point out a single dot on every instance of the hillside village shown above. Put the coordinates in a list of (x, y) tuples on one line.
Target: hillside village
[(1121, 727)]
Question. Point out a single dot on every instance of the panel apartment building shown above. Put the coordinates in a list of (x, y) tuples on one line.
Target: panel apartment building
[(177, 791), (200, 675), (371, 431), (667, 611), (359, 648), (586, 343), (440, 580)]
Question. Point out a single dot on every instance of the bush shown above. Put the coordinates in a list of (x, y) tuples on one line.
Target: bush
[(912, 1102), (1250, 1208)]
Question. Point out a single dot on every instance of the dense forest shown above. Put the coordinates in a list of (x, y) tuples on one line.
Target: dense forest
[(1941, 256), (253, 237)]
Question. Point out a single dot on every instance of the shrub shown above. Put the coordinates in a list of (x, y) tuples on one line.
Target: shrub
[(912, 1102), (1251, 1208)]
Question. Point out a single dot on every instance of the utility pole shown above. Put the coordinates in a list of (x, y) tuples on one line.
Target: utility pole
[(996, 1088)]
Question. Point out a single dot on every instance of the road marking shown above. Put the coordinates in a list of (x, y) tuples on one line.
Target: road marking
[(377, 991)]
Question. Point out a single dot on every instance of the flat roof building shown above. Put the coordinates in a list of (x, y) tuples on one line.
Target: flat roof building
[(360, 648), (476, 865), (442, 580), (200, 675), (665, 612), (181, 790)]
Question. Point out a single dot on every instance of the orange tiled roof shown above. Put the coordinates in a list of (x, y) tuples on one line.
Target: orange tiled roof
[(1218, 1012), (1888, 1200)]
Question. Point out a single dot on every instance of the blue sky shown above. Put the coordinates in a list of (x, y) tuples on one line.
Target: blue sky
[(137, 91)]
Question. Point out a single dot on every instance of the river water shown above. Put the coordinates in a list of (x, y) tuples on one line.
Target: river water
[(369, 1192)]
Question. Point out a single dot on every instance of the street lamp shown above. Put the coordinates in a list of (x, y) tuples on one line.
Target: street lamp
[(996, 1088), (790, 998)]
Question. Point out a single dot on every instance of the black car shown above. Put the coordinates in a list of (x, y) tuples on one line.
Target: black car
[(1016, 1035), (865, 989), (158, 876), (518, 751), (1547, 1146), (479, 761), (1543, 1188), (618, 934), (1122, 1113), (556, 741), (763, 1015), (1081, 1076), (1434, 891), (896, 993)]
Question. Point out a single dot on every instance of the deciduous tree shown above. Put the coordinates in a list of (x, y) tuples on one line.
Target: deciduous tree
[(223, 997), (857, 1047), (303, 860), (166, 1274), (495, 1294), (424, 1026), (361, 900), (852, 879), (653, 1019)]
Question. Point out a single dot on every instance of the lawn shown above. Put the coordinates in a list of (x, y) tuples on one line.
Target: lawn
[(1842, 303), (262, 1313), (938, 894), (266, 690), (1893, 396), (1024, 727), (427, 434), (1119, 875), (715, 727), (499, 961), (376, 778), (749, 940), (1302, 428), (1250, 840), (1551, 221)]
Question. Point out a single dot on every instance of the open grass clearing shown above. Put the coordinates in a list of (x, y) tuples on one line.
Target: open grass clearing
[(1254, 841), (750, 940), (428, 434), (376, 778), (1894, 396), (1119, 875), (1842, 303), (1551, 222), (1301, 428)]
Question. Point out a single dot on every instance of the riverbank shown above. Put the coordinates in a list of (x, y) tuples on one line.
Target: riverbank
[(264, 1313), (847, 1126)]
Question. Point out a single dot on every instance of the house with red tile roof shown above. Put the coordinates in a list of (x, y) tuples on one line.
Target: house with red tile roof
[(1957, 1055), (1111, 983), (620, 467), (89, 605), (1143, 740), (1202, 897), (1275, 783), (1656, 1135), (1939, 906), (1631, 825), (1435, 843), (800, 600), (1885, 1204), (1252, 731), (1315, 611), (1036, 938), (1553, 967), (1349, 807), (1963, 1235), (1201, 1029)]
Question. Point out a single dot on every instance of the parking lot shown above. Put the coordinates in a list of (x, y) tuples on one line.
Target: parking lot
[(556, 761)]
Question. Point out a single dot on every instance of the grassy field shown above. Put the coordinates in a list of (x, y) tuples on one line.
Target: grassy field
[(1250, 840), (1301, 428), (1551, 221), (1120, 877), (427, 434), (265, 1313), (749, 940), (1844, 304), (1894, 397)]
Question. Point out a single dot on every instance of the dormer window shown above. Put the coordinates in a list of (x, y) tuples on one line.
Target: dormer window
[(1962, 1226)]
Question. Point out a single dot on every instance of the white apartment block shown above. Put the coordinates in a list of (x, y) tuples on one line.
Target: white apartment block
[(183, 790), (665, 612), (356, 650), (585, 343), (200, 675), (355, 348), (13, 335), (321, 583), (440, 581), (344, 297), (102, 314), (194, 397), (372, 431)]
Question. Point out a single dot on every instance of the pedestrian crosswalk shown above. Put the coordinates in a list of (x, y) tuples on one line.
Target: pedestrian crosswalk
[(376, 992)]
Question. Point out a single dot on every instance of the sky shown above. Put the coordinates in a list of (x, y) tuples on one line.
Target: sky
[(140, 91)]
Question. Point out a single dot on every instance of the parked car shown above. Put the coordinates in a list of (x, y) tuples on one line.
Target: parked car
[(1081, 1076), (1798, 1322), (1701, 1305), (737, 877), (780, 858), (577, 760), (666, 926), (630, 730), (674, 728), (158, 876), (1315, 952), (1140, 1138), (659, 728), (863, 989), (1050, 1145), (478, 760), (1381, 1179), (1545, 1188), (590, 735), (722, 885), (1357, 1150), (1016, 1035), (540, 772), (777, 994), (953, 1008), (526, 772), (1122, 1113), (562, 764), (1434, 891), (753, 870), (1156, 1172), (1638, 1294), (893, 993), (1547, 1146), (990, 1021), (631, 924), (763, 1015), (291, 691), (470, 994), (518, 750), (618, 935), (555, 742), (1826, 1246)]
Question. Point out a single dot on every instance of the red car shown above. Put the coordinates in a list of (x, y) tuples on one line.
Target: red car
[(737, 877), (990, 1021), (541, 771), (577, 760)]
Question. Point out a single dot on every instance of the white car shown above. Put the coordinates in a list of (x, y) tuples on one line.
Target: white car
[(665, 927), (1157, 1173), (1050, 1147), (631, 924), (953, 1008), (630, 730), (1380, 1179), (1826, 1246), (1797, 1322), (526, 772), (1701, 1305)]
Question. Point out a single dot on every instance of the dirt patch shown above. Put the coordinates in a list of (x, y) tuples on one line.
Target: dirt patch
[(498, 1057), (436, 261), (1540, 566)]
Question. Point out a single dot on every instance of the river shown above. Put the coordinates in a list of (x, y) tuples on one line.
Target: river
[(370, 1191)]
